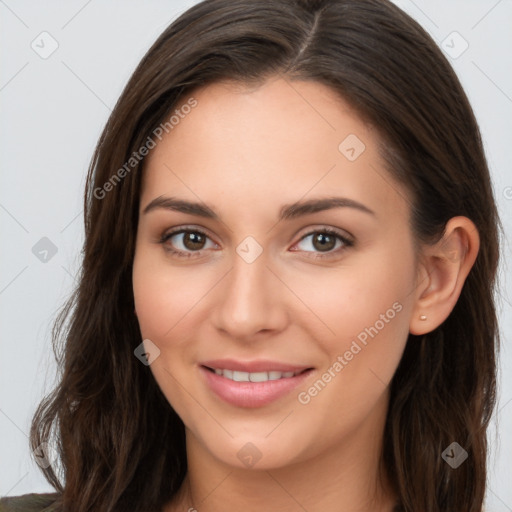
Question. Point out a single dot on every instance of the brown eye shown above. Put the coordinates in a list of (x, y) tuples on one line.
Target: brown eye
[(193, 240), (326, 241), (185, 242)]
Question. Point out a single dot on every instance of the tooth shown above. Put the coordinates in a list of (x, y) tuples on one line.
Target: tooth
[(240, 376), (258, 377)]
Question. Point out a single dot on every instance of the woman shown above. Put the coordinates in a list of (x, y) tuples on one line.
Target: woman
[(286, 300)]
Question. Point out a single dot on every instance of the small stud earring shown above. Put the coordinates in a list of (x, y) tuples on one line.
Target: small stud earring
[(423, 317)]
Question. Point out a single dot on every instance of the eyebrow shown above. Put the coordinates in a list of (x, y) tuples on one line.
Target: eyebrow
[(288, 211)]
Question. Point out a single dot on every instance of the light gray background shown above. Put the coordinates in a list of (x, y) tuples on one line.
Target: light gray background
[(52, 112)]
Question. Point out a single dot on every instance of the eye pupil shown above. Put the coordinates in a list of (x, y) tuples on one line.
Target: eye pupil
[(326, 241)]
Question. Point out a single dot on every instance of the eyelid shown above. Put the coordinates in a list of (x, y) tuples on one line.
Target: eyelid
[(180, 229), (323, 228)]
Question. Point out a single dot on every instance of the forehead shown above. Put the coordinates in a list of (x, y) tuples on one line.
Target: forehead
[(271, 143)]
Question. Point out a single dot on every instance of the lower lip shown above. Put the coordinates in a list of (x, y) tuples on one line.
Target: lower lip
[(251, 394)]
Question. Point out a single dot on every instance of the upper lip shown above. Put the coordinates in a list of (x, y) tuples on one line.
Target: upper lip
[(253, 366)]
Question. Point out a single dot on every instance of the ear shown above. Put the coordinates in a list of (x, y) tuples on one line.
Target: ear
[(443, 269)]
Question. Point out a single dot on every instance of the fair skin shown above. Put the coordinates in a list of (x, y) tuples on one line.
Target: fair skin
[(246, 152)]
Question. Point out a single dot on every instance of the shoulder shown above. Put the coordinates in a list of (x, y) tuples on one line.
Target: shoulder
[(29, 503)]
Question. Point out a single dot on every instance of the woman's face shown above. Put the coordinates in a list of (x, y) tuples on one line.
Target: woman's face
[(258, 288)]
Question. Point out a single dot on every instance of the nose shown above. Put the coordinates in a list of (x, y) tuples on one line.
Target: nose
[(250, 300)]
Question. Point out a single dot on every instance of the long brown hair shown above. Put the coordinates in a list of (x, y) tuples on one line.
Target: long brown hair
[(121, 446)]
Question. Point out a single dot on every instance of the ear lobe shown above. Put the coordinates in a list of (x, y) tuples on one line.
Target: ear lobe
[(444, 269)]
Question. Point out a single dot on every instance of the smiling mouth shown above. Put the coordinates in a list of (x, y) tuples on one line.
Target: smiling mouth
[(239, 376), (270, 382)]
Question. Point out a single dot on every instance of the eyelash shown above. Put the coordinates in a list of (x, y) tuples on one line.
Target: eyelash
[(183, 254)]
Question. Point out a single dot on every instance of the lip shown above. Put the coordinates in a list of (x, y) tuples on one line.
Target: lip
[(253, 366), (252, 394)]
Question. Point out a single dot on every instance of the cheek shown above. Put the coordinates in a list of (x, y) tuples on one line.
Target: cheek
[(164, 298), (346, 300), (361, 313), (163, 295)]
